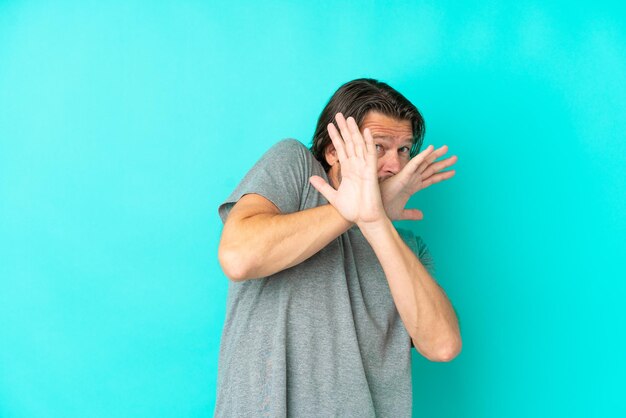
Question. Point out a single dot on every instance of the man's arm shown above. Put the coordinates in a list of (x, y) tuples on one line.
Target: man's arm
[(422, 304), (258, 240), (424, 308)]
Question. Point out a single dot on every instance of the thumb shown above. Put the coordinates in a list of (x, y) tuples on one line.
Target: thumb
[(412, 215), (324, 188)]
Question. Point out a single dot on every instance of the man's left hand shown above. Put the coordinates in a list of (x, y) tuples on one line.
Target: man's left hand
[(421, 172)]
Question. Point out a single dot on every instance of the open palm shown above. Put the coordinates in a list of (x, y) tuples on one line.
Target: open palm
[(358, 196), (421, 172)]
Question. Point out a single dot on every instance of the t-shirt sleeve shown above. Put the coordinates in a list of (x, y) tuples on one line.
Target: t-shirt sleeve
[(419, 248), (424, 255), (281, 175)]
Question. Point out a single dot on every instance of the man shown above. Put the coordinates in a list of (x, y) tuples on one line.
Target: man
[(326, 298)]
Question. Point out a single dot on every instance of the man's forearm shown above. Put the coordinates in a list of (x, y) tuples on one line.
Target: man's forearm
[(263, 244), (422, 304)]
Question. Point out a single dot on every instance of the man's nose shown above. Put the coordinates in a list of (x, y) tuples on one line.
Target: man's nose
[(392, 163)]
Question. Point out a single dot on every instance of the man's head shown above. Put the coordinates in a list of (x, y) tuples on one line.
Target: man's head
[(373, 105)]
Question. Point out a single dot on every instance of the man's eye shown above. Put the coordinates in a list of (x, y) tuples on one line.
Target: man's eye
[(405, 150), (379, 149)]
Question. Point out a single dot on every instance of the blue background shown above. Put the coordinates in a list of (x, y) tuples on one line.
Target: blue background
[(124, 124)]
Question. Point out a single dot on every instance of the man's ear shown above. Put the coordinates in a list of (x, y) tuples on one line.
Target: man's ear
[(331, 155)]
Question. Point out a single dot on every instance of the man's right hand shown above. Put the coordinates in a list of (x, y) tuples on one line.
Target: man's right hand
[(358, 197)]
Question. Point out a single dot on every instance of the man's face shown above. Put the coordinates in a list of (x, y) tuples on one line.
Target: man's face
[(393, 139)]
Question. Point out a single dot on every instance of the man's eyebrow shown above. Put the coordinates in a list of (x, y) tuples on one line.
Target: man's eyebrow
[(408, 141)]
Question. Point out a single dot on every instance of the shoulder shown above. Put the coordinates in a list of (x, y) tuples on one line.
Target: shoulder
[(292, 151), (289, 145)]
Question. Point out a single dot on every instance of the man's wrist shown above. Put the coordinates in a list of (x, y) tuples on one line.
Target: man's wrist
[(373, 228), (346, 223)]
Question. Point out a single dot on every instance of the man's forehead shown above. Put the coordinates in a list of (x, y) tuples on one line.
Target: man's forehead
[(403, 140), (386, 126)]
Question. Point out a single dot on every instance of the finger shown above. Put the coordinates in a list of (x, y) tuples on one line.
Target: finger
[(370, 147), (345, 134), (432, 157), (416, 161), (357, 138), (411, 215), (438, 166), (335, 137), (324, 188), (436, 178)]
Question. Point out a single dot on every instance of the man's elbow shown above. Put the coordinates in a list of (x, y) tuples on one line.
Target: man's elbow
[(444, 352), (233, 264), (449, 353)]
